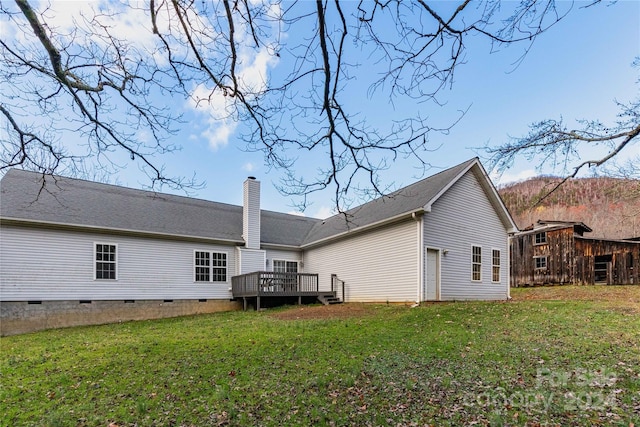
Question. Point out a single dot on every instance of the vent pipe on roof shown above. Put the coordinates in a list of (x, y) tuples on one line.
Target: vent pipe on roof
[(251, 213)]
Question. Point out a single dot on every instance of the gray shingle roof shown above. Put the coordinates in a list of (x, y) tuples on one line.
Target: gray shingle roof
[(77, 202), (404, 201), (90, 204)]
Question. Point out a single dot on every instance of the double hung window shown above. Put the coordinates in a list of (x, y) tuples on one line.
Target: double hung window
[(105, 261), (210, 266)]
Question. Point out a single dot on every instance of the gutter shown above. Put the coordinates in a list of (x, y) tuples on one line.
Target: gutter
[(122, 231)]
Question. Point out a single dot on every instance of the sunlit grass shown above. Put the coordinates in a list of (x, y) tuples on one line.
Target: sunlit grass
[(502, 363)]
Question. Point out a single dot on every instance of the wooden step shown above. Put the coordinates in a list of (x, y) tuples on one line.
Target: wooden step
[(328, 299)]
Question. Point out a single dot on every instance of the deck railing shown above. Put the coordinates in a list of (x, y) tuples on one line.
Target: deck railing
[(337, 285), (269, 283)]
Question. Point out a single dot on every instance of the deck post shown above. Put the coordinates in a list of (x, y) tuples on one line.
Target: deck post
[(258, 303), (244, 303), (299, 299)]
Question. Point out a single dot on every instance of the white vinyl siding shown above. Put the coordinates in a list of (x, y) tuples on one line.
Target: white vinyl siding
[(378, 266), (251, 214), (251, 260), (460, 218), (150, 269)]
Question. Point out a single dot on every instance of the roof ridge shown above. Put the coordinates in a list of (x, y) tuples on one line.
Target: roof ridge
[(117, 188)]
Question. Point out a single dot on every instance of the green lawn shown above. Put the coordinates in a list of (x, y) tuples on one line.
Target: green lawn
[(524, 362)]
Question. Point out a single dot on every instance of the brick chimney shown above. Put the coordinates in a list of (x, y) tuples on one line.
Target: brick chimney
[(251, 214)]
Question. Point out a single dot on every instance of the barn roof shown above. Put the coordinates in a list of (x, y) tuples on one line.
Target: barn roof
[(550, 225)]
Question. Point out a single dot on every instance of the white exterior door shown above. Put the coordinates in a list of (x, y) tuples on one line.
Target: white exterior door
[(433, 274)]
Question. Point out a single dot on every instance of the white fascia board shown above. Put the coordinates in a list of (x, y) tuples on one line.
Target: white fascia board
[(97, 229), (489, 188), (446, 188)]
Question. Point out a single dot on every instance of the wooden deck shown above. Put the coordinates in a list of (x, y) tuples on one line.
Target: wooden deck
[(268, 284)]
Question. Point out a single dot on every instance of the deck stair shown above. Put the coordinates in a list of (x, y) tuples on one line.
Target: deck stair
[(329, 299)]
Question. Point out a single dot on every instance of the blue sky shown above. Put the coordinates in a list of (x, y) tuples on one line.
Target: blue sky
[(575, 70)]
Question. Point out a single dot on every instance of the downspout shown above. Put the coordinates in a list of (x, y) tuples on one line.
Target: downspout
[(420, 251), (509, 237)]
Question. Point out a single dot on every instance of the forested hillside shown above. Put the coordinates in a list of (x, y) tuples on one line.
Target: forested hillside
[(610, 206)]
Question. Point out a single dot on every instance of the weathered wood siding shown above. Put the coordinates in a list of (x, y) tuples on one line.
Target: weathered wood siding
[(44, 264), (378, 266), (572, 259), (623, 269), (461, 218), (559, 250)]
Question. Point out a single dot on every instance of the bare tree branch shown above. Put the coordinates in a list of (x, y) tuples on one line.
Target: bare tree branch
[(124, 95), (553, 144)]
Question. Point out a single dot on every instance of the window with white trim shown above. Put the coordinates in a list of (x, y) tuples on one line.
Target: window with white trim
[(282, 266), (105, 261), (495, 265), (210, 266), (203, 266), (541, 262), (541, 238), (476, 263)]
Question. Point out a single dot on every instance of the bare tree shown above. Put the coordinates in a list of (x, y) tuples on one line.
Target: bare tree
[(88, 79), (551, 142)]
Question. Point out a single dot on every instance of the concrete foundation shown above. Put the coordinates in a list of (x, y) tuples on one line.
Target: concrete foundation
[(22, 316)]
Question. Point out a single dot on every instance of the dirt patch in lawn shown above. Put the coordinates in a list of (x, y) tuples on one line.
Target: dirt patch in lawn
[(335, 311), (623, 297)]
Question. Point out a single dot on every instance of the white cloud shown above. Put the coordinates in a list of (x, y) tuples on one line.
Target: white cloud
[(123, 20), (218, 134), (297, 213), (324, 212), (249, 167), (216, 107), (96, 21), (253, 77), (505, 178), (221, 121), (252, 70)]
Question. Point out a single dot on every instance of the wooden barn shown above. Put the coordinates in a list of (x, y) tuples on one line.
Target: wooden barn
[(558, 253)]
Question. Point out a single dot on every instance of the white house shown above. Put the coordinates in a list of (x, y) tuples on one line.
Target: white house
[(78, 252)]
